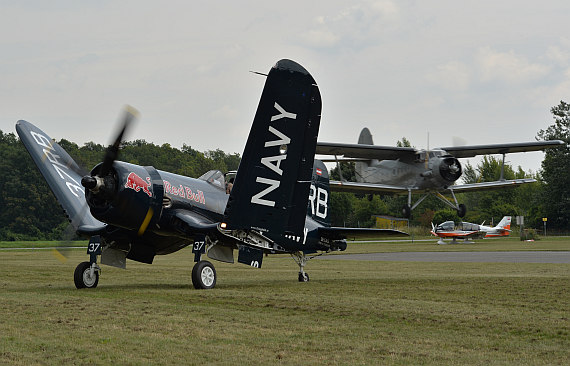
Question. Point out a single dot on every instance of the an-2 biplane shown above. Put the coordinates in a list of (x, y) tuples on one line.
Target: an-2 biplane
[(407, 170), (279, 202)]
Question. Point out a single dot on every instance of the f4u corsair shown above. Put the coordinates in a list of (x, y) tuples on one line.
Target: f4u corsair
[(279, 202), (406, 170)]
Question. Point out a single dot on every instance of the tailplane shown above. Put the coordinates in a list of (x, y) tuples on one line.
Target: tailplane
[(273, 180)]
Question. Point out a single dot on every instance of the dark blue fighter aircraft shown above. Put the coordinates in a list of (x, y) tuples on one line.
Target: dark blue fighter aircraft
[(279, 202)]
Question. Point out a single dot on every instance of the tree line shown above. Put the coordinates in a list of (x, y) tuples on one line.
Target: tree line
[(29, 211)]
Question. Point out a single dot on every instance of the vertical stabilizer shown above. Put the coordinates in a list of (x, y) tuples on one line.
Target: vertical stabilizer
[(319, 196), (505, 223), (273, 180), (360, 167)]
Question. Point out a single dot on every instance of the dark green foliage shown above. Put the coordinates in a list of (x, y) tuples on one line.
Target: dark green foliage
[(28, 209), (556, 168), (348, 172), (445, 215)]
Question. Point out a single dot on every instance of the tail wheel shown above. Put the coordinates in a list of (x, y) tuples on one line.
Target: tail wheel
[(406, 211), (303, 277), (461, 210), (203, 275), (84, 277)]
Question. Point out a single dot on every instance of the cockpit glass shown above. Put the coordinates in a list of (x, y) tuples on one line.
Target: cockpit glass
[(448, 225), (215, 178)]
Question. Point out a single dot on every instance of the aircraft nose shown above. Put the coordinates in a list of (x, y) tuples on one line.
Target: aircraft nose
[(450, 169)]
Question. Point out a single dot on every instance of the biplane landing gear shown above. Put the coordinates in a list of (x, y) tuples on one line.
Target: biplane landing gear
[(86, 275), (301, 260), (303, 277), (203, 275)]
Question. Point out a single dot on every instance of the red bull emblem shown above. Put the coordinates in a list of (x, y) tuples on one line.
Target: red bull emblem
[(137, 183)]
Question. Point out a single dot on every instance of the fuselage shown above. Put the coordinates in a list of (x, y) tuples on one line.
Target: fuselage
[(431, 170)]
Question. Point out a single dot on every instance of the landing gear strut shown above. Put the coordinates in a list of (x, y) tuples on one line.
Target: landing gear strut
[(459, 207), (301, 260), (203, 274), (86, 274)]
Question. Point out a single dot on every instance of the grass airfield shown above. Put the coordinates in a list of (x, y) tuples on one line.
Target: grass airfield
[(351, 312)]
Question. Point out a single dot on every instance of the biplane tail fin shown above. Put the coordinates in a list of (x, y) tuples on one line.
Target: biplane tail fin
[(273, 180), (365, 138)]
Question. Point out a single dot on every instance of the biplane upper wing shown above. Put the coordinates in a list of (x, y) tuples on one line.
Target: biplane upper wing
[(365, 151)]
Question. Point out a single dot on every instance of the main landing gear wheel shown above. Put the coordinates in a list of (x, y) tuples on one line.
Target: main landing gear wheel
[(461, 210), (303, 277), (203, 275), (85, 277)]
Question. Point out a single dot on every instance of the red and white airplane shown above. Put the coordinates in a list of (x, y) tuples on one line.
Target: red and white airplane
[(468, 231)]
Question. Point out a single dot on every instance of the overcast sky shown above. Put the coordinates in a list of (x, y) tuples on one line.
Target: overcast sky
[(482, 71)]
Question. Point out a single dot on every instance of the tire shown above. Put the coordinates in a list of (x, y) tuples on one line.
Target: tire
[(204, 275), (461, 210), (407, 211), (303, 277), (82, 277)]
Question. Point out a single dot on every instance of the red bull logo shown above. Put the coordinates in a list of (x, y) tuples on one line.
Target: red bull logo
[(137, 183)]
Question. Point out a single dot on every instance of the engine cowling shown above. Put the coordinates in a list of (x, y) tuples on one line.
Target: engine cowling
[(127, 196), (450, 168)]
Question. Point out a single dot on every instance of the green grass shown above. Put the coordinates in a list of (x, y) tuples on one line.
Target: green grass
[(350, 313)]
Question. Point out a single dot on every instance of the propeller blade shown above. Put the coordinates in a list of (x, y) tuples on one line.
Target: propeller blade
[(113, 150)]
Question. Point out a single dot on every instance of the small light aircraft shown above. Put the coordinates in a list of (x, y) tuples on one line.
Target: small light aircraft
[(467, 230), (407, 170), (279, 202)]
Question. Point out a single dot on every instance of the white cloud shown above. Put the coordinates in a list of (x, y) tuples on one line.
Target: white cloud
[(507, 67), (353, 26), (454, 75), (558, 55)]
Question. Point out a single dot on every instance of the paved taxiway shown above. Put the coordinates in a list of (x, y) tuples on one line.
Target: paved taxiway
[(497, 257)]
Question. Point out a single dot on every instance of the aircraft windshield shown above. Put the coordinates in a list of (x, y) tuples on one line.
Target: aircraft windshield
[(215, 178), (448, 225)]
